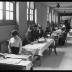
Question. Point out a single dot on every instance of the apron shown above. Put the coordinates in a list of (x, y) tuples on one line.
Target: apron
[(14, 50)]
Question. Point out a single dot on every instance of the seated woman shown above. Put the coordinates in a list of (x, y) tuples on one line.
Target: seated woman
[(15, 43)]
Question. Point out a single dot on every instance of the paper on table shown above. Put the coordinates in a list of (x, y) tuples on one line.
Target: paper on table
[(10, 61), (24, 63), (42, 39), (17, 56), (30, 47)]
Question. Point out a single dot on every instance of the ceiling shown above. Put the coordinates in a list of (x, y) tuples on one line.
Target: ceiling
[(64, 6)]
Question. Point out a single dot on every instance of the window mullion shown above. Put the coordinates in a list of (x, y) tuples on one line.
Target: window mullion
[(9, 10), (29, 11), (14, 11), (34, 15), (4, 10), (29, 14)]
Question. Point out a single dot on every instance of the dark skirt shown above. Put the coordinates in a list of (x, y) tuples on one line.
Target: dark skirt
[(15, 50)]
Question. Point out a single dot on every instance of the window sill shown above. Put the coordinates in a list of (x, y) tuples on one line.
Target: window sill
[(7, 23)]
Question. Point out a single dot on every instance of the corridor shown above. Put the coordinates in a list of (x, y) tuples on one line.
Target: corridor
[(63, 61)]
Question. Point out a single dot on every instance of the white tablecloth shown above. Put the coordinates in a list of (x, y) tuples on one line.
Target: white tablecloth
[(27, 64), (17, 62), (70, 32), (39, 47)]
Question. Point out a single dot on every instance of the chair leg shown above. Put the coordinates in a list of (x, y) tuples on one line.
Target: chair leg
[(31, 68), (50, 50), (66, 40), (38, 59), (55, 50)]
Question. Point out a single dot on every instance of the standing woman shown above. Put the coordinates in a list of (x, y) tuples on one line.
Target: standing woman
[(15, 43)]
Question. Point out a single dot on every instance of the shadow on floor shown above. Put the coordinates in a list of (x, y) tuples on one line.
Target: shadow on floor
[(67, 45), (51, 61)]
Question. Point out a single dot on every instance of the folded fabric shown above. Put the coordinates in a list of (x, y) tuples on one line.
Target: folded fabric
[(17, 56), (10, 61)]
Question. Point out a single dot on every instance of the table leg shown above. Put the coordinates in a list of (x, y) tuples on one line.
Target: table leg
[(31, 68), (38, 59)]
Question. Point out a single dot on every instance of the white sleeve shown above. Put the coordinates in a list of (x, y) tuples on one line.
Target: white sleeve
[(20, 44), (9, 46)]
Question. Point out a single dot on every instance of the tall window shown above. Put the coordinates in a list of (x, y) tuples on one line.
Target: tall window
[(27, 11), (31, 15), (54, 18), (7, 10), (52, 15), (1, 10), (36, 16), (30, 11), (47, 13)]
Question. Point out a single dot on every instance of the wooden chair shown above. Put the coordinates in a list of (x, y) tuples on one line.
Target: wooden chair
[(52, 46)]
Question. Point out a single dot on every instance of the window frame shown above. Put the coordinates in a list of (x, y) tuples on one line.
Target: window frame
[(8, 22), (28, 14)]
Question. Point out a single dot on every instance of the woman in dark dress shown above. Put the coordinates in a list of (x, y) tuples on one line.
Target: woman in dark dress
[(15, 43)]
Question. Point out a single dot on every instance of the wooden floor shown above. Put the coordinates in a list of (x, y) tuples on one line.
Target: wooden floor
[(63, 61)]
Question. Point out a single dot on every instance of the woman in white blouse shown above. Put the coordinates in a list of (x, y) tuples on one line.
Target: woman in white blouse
[(15, 43)]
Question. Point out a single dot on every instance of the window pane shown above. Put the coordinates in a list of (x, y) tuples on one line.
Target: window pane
[(35, 15), (11, 6), (27, 10), (1, 5), (27, 4), (11, 15), (7, 5), (31, 17), (31, 11), (50, 17), (7, 15), (1, 14), (48, 10), (32, 5), (27, 17), (54, 18)]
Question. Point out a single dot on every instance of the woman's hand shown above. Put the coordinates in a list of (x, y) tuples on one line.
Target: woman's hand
[(9, 51), (20, 52)]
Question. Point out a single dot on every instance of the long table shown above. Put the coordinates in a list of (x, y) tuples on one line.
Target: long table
[(37, 49), (15, 62), (22, 65)]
